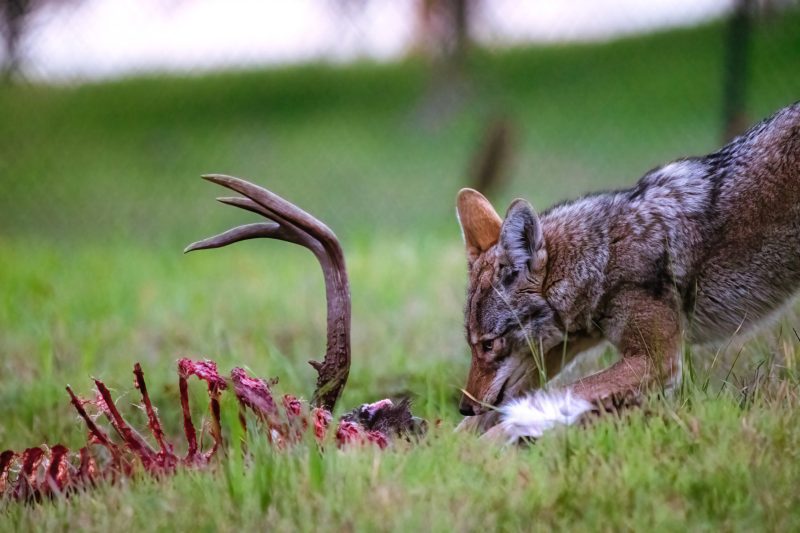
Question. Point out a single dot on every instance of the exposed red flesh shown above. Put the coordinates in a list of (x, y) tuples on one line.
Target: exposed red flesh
[(322, 419), (205, 370), (27, 486), (87, 471), (5, 463), (57, 472), (253, 393)]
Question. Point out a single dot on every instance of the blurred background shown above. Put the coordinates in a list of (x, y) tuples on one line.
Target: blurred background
[(370, 114)]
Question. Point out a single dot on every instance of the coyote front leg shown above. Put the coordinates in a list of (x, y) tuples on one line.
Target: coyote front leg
[(646, 331)]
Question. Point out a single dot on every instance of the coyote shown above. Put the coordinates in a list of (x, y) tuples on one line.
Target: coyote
[(698, 249)]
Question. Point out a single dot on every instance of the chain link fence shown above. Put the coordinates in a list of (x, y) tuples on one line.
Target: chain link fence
[(111, 109)]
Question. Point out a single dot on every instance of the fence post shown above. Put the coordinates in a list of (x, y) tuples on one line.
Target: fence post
[(736, 70)]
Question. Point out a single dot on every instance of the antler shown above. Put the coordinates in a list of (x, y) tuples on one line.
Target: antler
[(292, 224)]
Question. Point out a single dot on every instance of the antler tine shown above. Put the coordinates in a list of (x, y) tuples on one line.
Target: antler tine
[(241, 233), (280, 210), (294, 225), (244, 203)]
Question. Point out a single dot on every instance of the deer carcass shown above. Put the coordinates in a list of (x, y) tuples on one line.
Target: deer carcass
[(46, 471)]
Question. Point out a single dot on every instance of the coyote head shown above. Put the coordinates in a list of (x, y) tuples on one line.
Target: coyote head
[(509, 324)]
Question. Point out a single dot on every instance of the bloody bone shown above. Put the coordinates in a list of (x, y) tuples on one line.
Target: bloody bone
[(152, 418), (96, 434), (286, 424), (132, 439), (207, 371), (188, 426)]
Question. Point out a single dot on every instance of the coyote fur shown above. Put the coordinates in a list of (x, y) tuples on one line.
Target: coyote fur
[(697, 250)]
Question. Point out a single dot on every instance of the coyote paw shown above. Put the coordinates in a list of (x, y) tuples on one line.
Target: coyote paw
[(532, 415)]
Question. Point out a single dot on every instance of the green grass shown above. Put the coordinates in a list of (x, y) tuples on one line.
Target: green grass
[(100, 193), (714, 460), (710, 466)]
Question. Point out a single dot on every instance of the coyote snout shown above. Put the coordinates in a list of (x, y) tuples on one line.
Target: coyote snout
[(698, 248)]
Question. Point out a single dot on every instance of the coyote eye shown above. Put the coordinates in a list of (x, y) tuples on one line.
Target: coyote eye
[(509, 276), (487, 346)]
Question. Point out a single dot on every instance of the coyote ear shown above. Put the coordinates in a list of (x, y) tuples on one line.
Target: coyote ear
[(480, 223), (522, 238)]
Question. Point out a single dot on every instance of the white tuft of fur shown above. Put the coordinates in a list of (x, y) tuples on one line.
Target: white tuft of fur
[(532, 415)]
